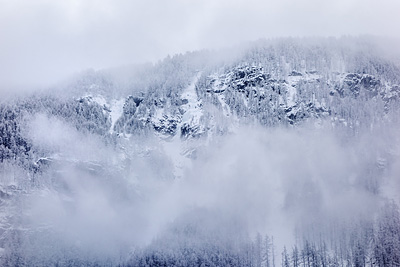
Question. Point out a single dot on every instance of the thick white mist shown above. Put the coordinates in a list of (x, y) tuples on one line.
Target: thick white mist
[(105, 201)]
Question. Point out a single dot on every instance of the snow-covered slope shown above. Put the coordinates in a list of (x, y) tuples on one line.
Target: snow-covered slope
[(181, 100), (143, 139)]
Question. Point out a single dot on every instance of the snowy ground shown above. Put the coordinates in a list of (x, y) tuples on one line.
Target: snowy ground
[(175, 148), (116, 108)]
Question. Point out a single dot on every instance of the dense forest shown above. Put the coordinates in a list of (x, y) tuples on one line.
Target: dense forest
[(279, 152)]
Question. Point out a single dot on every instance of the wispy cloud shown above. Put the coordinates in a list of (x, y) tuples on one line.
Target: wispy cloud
[(43, 41)]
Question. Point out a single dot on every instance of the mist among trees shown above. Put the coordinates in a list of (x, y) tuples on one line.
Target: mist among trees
[(280, 152)]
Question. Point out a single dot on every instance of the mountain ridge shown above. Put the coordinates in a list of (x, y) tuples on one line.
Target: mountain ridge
[(176, 142)]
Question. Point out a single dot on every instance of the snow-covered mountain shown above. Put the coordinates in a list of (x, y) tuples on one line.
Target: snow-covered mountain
[(158, 119)]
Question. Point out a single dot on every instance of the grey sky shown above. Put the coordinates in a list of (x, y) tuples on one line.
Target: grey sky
[(42, 41)]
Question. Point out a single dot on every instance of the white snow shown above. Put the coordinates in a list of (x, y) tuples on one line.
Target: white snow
[(193, 110), (99, 99), (226, 110), (174, 147), (116, 108), (291, 95), (158, 115), (219, 87), (292, 80)]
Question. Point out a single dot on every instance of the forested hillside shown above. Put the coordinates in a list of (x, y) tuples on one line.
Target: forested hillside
[(278, 152)]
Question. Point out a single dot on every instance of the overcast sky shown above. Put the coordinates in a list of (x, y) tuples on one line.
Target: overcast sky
[(42, 41)]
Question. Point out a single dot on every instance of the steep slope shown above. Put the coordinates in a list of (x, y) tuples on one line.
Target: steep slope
[(126, 149)]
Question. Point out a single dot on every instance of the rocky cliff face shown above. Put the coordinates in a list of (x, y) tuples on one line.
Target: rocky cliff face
[(202, 101)]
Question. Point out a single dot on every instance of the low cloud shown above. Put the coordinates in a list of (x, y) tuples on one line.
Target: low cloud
[(270, 181), (46, 41)]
